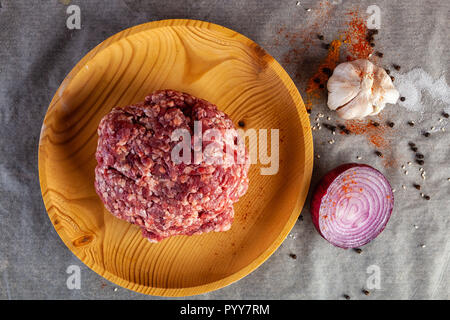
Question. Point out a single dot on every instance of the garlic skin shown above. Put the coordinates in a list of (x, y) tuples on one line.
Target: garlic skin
[(359, 88)]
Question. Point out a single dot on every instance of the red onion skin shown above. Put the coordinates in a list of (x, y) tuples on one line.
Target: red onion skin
[(322, 188)]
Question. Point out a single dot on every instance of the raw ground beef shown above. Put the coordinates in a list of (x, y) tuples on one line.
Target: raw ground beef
[(137, 180)]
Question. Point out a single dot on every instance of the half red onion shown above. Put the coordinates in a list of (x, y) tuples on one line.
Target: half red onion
[(352, 205)]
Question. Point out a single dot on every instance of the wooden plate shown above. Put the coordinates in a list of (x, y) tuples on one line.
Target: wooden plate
[(207, 61)]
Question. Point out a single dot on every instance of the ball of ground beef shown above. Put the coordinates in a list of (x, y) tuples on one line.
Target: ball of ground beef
[(138, 181)]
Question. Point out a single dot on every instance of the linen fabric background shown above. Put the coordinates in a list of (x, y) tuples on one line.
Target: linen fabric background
[(37, 50)]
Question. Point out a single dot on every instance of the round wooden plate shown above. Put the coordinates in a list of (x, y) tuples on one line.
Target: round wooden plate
[(207, 61)]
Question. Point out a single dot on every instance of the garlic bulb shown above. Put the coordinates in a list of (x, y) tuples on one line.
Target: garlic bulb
[(359, 88)]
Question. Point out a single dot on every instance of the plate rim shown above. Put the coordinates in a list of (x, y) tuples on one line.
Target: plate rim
[(301, 197)]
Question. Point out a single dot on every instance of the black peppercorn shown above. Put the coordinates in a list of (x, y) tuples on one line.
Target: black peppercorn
[(327, 71)]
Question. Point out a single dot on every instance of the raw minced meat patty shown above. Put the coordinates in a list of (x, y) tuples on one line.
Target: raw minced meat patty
[(138, 181)]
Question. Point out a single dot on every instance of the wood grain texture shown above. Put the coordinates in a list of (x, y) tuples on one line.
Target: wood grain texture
[(207, 61)]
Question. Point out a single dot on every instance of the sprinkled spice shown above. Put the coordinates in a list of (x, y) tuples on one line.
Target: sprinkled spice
[(402, 98), (379, 54), (411, 123), (358, 37), (419, 156), (346, 296), (414, 149), (392, 78), (411, 144), (426, 134), (378, 153), (417, 186), (376, 135), (391, 124), (358, 250), (420, 162), (426, 197), (366, 292), (388, 71), (320, 37), (396, 67), (293, 256), (445, 115)]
